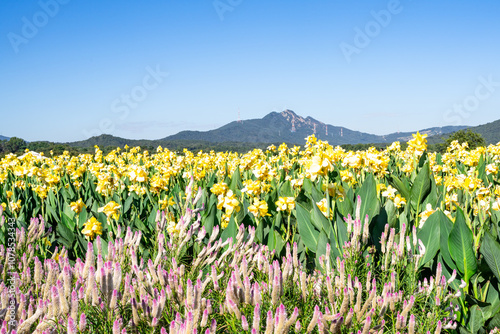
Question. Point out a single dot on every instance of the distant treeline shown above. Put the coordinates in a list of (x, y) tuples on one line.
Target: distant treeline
[(108, 143)]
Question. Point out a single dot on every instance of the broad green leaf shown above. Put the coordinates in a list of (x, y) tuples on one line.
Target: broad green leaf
[(275, 241), (422, 160), (210, 219), (420, 188), (493, 298), (66, 235), (311, 191), (494, 322), (433, 197), (460, 245), (445, 225), (369, 200), (68, 222), (128, 203), (68, 212), (391, 212), (321, 249), (230, 231), (400, 186), (447, 272), (429, 234), (286, 190), (491, 252), (476, 319), (341, 228), (236, 180), (320, 221), (344, 207), (306, 229)]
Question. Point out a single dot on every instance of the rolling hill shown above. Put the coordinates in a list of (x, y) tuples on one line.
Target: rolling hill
[(276, 128), (289, 127)]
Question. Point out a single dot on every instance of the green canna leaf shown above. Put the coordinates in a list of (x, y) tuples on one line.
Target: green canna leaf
[(429, 234), (306, 229), (476, 319), (491, 252), (370, 204), (420, 188), (460, 245)]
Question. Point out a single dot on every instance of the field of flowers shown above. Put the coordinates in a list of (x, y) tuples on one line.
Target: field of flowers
[(301, 240)]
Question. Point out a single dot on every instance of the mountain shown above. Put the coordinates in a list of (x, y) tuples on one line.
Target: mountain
[(106, 142), (4, 138), (489, 131), (291, 128)]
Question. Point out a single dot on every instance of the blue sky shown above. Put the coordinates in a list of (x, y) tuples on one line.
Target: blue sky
[(146, 69)]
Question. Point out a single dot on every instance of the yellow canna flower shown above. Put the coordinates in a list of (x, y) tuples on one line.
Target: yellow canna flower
[(111, 210), (491, 169), (92, 228), (172, 228), (496, 205), (259, 208), (164, 203), (322, 205), (219, 189), (418, 144), (399, 201), (228, 202), (77, 206), (15, 206), (46, 242), (286, 204), (425, 214), (390, 192)]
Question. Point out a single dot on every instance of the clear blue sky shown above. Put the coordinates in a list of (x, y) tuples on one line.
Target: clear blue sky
[(71, 69)]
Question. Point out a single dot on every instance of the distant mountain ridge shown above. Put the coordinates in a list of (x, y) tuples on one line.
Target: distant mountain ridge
[(4, 138), (489, 131), (291, 128)]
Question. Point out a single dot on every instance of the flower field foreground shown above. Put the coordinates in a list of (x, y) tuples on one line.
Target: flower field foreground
[(232, 286), (217, 229)]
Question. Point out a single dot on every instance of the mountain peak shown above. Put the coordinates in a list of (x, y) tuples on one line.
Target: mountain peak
[(290, 116)]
